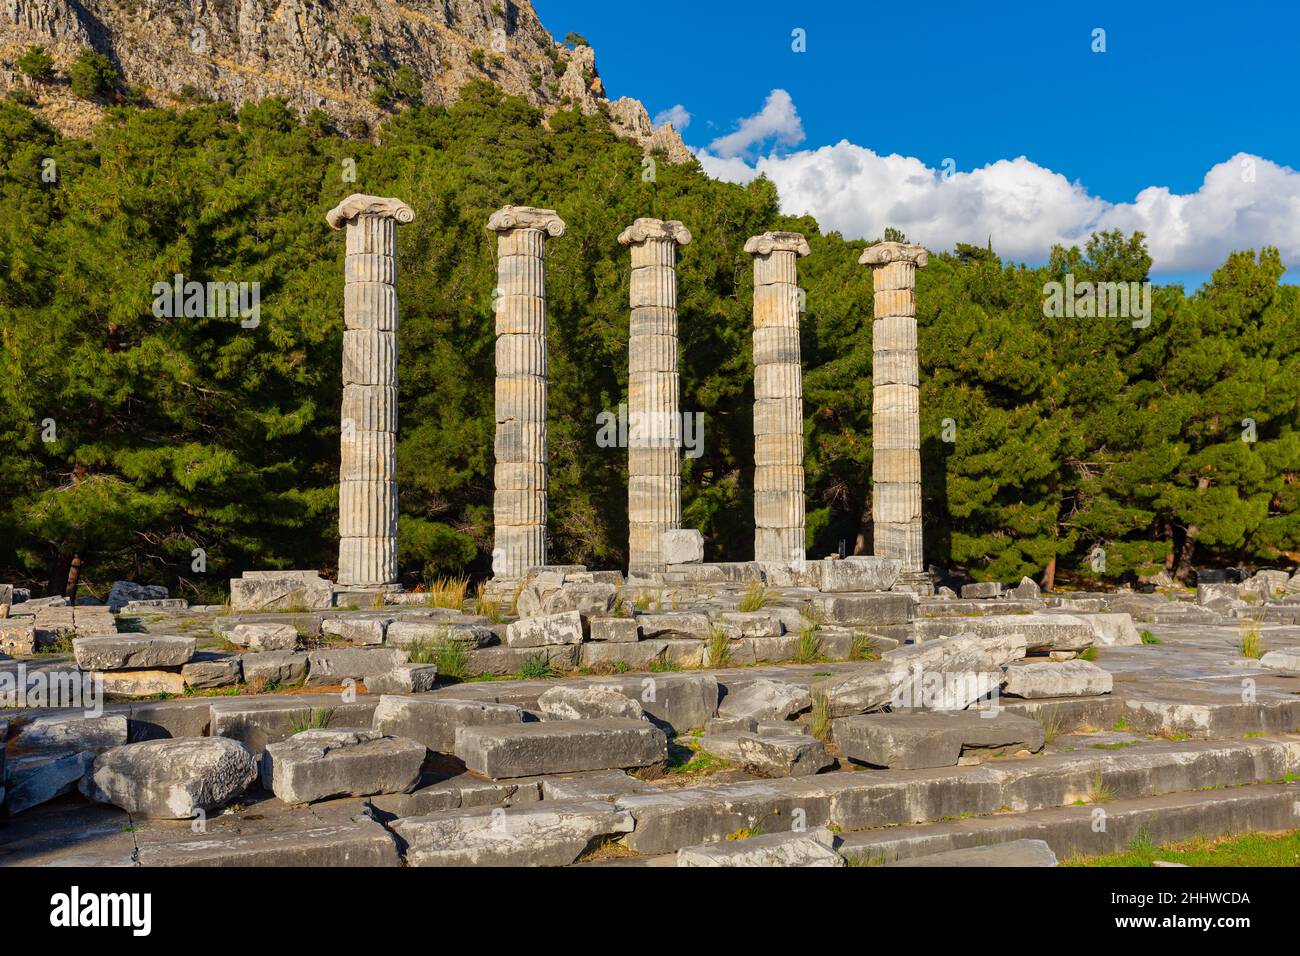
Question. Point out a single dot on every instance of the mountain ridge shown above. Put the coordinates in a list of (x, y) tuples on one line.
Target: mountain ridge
[(355, 60)]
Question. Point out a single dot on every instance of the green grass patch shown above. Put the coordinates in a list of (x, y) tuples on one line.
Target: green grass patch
[(754, 598), (1252, 849), (1149, 638)]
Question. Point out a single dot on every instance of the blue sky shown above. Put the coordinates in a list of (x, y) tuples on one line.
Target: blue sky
[(1179, 90)]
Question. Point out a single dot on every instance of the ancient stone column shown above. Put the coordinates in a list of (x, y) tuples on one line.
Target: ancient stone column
[(895, 404), (778, 399), (654, 497), (368, 429), (519, 502)]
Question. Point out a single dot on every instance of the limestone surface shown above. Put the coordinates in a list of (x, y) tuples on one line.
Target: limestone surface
[(131, 651), (550, 833), (560, 746), (586, 703), (172, 779), (1075, 678), (317, 764), (433, 721), (811, 848)]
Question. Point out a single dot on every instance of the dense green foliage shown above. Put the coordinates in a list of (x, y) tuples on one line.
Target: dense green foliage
[(132, 440)]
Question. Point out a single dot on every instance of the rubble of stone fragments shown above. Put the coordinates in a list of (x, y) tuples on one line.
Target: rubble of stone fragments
[(698, 715)]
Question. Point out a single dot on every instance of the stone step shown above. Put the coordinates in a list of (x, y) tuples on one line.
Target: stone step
[(1013, 853), (1096, 829), (919, 739), (560, 746), (258, 721), (854, 800), (360, 842), (551, 833), (810, 848)]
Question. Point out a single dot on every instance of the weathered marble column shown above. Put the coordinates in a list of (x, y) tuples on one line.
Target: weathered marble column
[(778, 399), (368, 432), (654, 497), (519, 502), (895, 404)]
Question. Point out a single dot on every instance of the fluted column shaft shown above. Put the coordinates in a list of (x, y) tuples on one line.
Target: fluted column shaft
[(778, 399), (895, 405), (654, 500), (519, 500), (368, 426)]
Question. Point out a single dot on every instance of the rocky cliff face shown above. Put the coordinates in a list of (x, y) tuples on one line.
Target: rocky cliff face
[(339, 56)]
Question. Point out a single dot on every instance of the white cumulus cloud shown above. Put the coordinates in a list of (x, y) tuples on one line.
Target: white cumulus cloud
[(1244, 202), (778, 121), (678, 115)]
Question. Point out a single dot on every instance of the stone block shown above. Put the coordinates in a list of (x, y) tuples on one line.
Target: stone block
[(588, 702), (141, 683), (275, 667), (859, 573), (36, 779), (864, 609), (783, 755), (764, 700), (560, 746), (207, 670), (922, 739), (549, 833), (615, 630), (674, 625), (338, 664), (369, 630), (123, 593), (1065, 679), (317, 764), (681, 546), (280, 591), (982, 589), (433, 721), (809, 848), (404, 679), (563, 628), (264, 637), (171, 779), (131, 651), (70, 733)]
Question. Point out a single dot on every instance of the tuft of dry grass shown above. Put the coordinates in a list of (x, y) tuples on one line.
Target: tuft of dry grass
[(719, 648), (448, 592), (1252, 638), (819, 722), (755, 597)]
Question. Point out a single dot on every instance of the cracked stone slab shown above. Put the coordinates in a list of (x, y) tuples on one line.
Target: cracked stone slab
[(550, 833), (171, 779), (131, 651), (810, 848), (560, 746), (356, 762)]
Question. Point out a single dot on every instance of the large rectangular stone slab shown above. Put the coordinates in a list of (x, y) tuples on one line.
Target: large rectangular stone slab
[(337, 664), (433, 721), (131, 652), (280, 591), (866, 609), (918, 740), (550, 833), (359, 842), (258, 721), (560, 746)]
